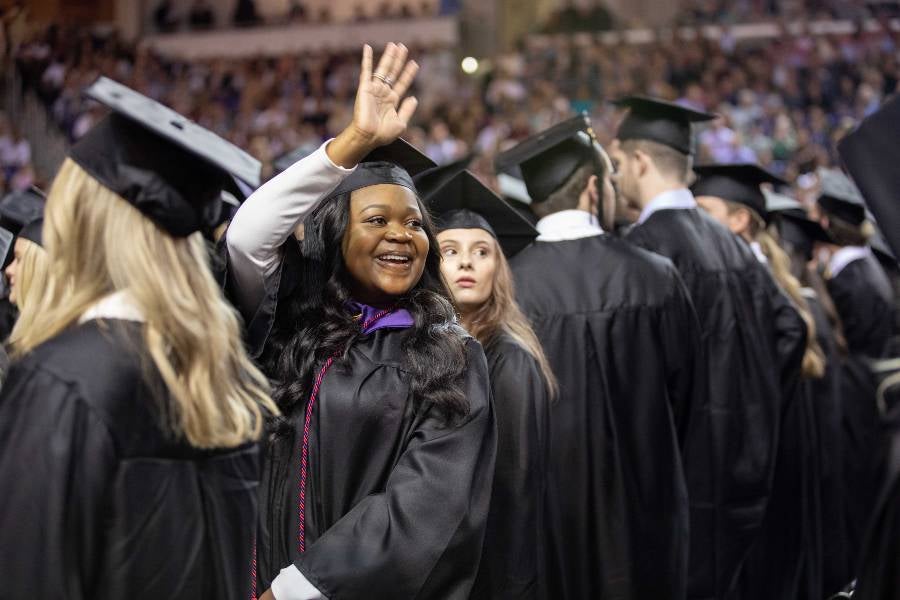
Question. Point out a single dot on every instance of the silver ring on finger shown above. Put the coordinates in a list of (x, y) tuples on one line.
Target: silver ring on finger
[(384, 79)]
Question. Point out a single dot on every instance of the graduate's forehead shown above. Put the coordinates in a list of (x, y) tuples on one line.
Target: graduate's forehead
[(385, 197), (468, 235)]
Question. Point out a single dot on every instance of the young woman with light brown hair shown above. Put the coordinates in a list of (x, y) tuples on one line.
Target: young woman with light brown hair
[(477, 231), (129, 419)]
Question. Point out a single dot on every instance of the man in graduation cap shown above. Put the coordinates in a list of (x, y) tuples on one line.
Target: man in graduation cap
[(751, 349), (786, 560), (620, 332), (871, 154)]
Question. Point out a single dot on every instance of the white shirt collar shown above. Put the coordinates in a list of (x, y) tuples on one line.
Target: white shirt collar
[(568, 225), (845, 256), (673, 199), (760, 255), (117, 305)]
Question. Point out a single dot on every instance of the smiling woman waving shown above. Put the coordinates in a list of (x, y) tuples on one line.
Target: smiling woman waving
[(378, 478)]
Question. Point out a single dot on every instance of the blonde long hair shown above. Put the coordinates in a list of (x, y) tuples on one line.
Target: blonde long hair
[(32, 281), (99, 244), (501, 314), (813, 366)]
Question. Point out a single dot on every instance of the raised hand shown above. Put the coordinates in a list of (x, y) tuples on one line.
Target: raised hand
[(378, 111), (380, 114)]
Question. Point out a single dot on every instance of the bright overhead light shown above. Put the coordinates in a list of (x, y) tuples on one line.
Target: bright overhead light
[(469, 65)]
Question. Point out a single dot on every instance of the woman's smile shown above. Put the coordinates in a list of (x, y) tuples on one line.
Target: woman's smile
[(398, 261)]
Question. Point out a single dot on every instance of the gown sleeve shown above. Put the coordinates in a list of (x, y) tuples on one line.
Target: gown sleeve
[(415, 538), (511, 565), (267, 219), (57, 460)]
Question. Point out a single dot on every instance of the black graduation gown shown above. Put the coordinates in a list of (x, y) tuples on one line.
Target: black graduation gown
[(864, 300), (512, 563), (99, 502), (8, 315), (786, 558), (825, 395), (878, 574), (754, 341), (396, 500), (620, 333)]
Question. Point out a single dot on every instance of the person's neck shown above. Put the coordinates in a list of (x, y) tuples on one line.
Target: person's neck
[(654, 189), (467, 320), (375, 300)]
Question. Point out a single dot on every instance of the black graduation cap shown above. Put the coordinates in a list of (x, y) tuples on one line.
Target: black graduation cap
[(167, 166), (840, 197), (735, 183), (283, 162), (396, 163), (548, 159), (659, 121), (871, 154), (33, 231), (21, 207), (432, 179), (801, 232), (463, 202)]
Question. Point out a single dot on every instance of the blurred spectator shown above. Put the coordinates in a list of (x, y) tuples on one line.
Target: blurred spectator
[(449, 7), (297, 12), (201, 15), (163, 17), (441, 146), (575, 18), (14, 20), (245, 14), (22, 179), (15, 151)]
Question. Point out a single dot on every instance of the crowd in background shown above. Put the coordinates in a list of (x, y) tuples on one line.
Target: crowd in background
[(731, 11), (169, 16), (782, 102)]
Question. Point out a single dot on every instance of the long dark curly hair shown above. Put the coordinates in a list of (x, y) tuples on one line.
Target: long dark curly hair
[(313, 323)]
